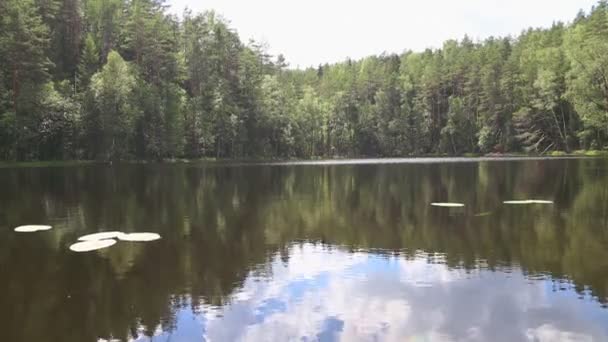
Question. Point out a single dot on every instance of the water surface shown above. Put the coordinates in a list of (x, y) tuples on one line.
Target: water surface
[(315, 252)]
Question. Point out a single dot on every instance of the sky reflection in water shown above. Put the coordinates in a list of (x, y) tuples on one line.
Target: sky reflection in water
[(329, 294), (349, 251)]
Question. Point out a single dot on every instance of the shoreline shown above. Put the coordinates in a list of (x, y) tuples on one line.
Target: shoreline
[(336, 160)]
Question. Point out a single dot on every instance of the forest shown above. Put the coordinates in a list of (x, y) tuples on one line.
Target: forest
[(125, 79)]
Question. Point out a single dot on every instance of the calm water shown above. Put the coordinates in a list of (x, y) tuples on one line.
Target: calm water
[(350, 252)]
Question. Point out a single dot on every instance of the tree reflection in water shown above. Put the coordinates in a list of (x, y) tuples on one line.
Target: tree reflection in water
[(318, 251)]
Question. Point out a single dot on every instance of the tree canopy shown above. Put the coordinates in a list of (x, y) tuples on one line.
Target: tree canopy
[(124, 79)]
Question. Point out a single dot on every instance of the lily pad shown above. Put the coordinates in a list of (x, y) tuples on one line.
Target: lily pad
[(87, 246), (32, 228), (139, 237), (448, 205), (101, 236), (517, 202), (528, 202), (541, 202)]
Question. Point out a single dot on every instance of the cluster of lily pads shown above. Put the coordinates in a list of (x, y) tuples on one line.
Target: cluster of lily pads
[(95, 241), (460, 205), (101, 240)]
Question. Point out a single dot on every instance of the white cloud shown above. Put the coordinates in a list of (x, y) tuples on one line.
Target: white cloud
[(548, 333)]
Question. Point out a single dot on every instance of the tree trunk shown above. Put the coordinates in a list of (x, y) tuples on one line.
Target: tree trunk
[(559, 129), (15, 87), (218, 148)]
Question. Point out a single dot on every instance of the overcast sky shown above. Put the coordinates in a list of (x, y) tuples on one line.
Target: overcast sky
[(310, 32)]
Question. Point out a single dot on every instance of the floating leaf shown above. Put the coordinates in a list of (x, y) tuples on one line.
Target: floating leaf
[(32, 228), (528, 202), (101, 236), (448, 205), (87, 246), (139, 237), (517, 202)]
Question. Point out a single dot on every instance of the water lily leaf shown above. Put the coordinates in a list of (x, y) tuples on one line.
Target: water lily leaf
[(447, 205), (517, 202), (139, 237), (528, 202), (32, 228), (87, 246), (101, 236)]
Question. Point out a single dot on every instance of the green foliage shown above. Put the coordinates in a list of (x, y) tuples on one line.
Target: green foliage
[(8, 135), (66, 38), (112, 91), (587, 49), (23, 44), (59, 126), (89, 62), (122, 79), (310, 124)]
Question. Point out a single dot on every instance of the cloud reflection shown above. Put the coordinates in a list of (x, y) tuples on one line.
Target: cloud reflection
[(327, 294)]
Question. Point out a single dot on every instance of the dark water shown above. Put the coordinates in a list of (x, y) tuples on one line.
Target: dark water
[(308, 252)]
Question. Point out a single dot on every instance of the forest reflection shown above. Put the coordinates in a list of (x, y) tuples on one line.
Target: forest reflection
[(230, 229)]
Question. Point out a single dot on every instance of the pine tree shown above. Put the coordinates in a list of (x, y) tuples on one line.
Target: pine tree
[(23, 43), (89, 62)]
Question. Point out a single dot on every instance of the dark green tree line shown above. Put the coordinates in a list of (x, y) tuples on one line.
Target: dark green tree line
[(124, 79)]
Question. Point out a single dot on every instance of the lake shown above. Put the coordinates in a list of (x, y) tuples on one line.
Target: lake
[(349, 251)]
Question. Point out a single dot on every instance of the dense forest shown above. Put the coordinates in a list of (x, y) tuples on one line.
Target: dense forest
[(124, 79)]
